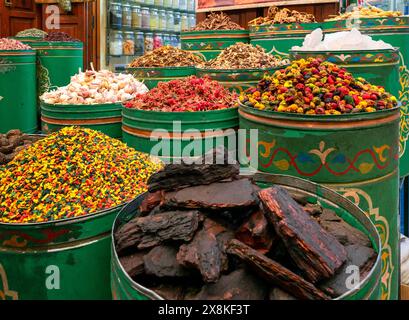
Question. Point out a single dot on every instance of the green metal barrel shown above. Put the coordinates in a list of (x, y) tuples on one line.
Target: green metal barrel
[(208, 44), (67, 259), (395, 31), (124, 288), (355, 154), (176, 134), (278, 39), (18, 102), (152, 76), (380, 67), (236, 80), (28, 40), (106, 118)]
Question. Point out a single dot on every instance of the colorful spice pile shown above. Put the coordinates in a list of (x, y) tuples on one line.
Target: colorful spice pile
[(13, 142), (184, 95), (244, 56), (315, 87), (278, 16), (366, 12), (166, 56), (33, 32), (12, 44), (60, 36), (71, 173), (217, 21), (96, 87)]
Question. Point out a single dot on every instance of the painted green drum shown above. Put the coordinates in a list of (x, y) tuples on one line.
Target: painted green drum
[(395, 31), (67, 259), (380, 67), (124, 288), (174, 134), (208, 44), (336, 151), (152, 76), (18, 102), (236, 80), (106, 118), (278, 39)]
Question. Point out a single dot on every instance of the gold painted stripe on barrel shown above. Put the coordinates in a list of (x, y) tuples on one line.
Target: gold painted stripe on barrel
[(17, 53), (172, 135), (62, 48), (317, 124), (272, 33), (221, 36), (69, 122)]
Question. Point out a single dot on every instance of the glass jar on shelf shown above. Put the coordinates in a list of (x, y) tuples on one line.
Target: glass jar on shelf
[(184, 22), (173, 41), (126, 15), (182, 4), (157, 40), (129, 43), (167, 3), (175, 4), (150, 2), (145, 18), (139, 43), (158, 3), (154, 18), (191, 20), (148, 42), (166, 39), (162, 19), (115, 43), (170, 20), (177, 25), (136, 16), (191, 5), (115, 15)]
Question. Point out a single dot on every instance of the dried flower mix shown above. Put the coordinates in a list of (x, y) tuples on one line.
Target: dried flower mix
[(315, 87), (166, 56), (12, 44), (189, 94), (365, 12), (71, 173), (60, 36), (33, 32), (96, 87), (217, 21), (244, 56), (278, 16)]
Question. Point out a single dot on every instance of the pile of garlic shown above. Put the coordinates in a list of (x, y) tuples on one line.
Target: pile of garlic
[(96, 87)]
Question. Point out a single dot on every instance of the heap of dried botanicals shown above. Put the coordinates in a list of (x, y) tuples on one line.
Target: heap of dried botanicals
[(315, 87), (217, 21), (33, 32), (166, 56), (12, 44), (60, 36), (244, 56), (278, 16), (96, 87), (185, 95), (13, 142), (204, 232), (71, 173), (365, 12)]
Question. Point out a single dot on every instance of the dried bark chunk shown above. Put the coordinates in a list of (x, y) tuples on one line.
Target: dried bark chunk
[(279, 294), (256, 232), (315, 251), (151, 200), (169, 291), (133, 264), (238, 285), (275, 273), (161, 262)]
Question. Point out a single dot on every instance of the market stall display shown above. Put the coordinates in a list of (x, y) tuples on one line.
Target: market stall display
[(366, 11), (240, 66), (18, 103), (233, 240), (276, 15), (13, 142), (32, 32), (195, 114), (326, 141), (92, 99), (217, 21), (75, 182)]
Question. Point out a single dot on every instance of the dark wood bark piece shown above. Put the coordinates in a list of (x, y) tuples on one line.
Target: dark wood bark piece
[(216, 196), (238, 285), (205, 254), (279, 294), (133, 263), (313, 209), (161, 262), (275, 273), (169, 291), (256, 232), (314, 250), (151, 200)]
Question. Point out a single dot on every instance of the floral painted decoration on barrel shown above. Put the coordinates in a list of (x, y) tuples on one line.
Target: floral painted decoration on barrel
[(312, 86)]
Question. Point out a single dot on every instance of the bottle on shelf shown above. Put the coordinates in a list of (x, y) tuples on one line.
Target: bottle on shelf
[(182, 4), (139, 43), (166, 39), (191, 20), (170, 20), (177, 25), (115, 15), (126, 15), (115, 43), (191, 5), (158, 3), (184, 22), (145, 17), (148, 42), (154, 19), (136, 17), (175, 4), (157, 40), (162, 20), (129, 43)]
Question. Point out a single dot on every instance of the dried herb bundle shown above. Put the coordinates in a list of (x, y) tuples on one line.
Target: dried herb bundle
[(244, 56), (217, 21), (277, 16), (33, 32), (166, 56)]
